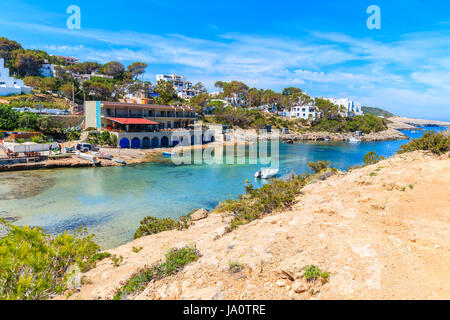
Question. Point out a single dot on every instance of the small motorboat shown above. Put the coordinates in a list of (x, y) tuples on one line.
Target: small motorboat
[(89, 157), (169, 154), (290, 141), (354, 140), (119, 161), (266, 173), (101, 155)]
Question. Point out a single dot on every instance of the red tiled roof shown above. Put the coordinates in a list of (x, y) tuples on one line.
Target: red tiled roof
[(151, 106), (132, 120)]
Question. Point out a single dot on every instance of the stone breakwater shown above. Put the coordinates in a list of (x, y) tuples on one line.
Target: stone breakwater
[(373, 229)]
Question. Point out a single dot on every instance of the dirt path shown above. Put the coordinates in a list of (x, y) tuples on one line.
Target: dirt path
[(382, 232)]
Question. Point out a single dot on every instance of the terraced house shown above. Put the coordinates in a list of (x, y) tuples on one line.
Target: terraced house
[(139, 125)]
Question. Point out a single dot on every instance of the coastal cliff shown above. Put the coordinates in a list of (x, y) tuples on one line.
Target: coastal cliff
[(372, 229)]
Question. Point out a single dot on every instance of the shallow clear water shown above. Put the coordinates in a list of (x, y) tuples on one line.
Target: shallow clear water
[(110, 202)]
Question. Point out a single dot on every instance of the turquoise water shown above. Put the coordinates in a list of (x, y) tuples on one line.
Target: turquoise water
[(110, 202)]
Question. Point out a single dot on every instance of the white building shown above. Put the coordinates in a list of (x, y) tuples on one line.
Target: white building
[(10, 85), (352, 108), (308, 112), (47, 70), (181, 84)]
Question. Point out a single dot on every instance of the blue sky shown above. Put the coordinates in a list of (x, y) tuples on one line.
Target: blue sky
[(322, 46)]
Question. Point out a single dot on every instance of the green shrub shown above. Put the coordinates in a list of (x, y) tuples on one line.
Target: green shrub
[(73, 135), (313, 273), (100, 256), (278, 194), (437, 143), (34, 264), (151, 225), (235, 266), (136, 249), (318, 166), (175, 260), (371, 158), (116, 260)]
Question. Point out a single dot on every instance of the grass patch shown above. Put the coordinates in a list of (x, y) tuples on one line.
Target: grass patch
[(175, 260), (235, 266), (100, 256), (116, 260), (313, 273), (373, 174), (136, 249)]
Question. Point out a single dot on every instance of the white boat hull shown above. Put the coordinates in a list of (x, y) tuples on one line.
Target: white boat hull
[(266, 173), (89, 157)]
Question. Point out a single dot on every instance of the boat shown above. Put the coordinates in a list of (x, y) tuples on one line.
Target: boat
[(290, 141), (119, 161), (168, 153), (266, 173), (354, 140), (101, 155), (89, 157), (327, 139)]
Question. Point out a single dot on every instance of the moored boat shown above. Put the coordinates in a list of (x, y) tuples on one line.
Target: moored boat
[(266, 173), (354, 140), (119, 161), (168, 153), (101, 155), (89, 157)]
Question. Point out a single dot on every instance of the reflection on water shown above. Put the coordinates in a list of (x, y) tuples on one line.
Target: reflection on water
[(110, 202)]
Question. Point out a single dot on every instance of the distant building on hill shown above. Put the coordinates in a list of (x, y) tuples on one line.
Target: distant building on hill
[(68, 60), (352, 108), (47, 70), (181, 84), (308, 112), (9, 85)]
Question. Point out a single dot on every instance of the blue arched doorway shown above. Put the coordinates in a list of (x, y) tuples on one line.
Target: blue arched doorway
[(164, 142), (135, 143), (124, 143), (146, 143), (155, 142)]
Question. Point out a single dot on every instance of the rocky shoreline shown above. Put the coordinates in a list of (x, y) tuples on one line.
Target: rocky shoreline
[(137, 156), (390, 134)]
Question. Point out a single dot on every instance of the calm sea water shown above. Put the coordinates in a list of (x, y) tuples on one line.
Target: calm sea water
[(110, 202)]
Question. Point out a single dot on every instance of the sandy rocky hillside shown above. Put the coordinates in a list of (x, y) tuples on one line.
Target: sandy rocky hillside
[(383, 236)]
